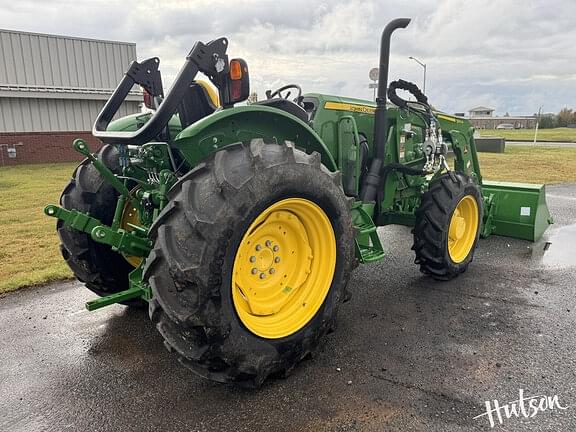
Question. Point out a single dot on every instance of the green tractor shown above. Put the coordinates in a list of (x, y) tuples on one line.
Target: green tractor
[(240, 225)]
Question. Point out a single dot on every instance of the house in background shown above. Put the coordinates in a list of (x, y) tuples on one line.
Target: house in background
[(483, 118), (480, 112)]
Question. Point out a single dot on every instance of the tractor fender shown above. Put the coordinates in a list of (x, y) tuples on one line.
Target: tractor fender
[(244, 123)]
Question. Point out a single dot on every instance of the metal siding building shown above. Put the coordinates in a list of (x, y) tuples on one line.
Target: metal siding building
[(51, 114), (52, 83)]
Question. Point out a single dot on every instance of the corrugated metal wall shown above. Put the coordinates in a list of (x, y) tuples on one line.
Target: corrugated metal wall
[(57, 83), (51, 115), (47, 60)]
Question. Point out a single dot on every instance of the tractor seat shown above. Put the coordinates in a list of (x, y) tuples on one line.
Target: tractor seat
[(200, 101), (286, 105)]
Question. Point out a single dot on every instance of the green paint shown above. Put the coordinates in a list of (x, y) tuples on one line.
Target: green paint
[(122, 296), (137, 290), (81, 147), (73, 218), (135, 121), (519, 210), (335, 131), (129, 243), (243, 123), (367, 244)]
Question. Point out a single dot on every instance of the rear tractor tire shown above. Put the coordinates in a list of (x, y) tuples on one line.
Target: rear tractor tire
[(448, 226), (102, 270), (252, 255)]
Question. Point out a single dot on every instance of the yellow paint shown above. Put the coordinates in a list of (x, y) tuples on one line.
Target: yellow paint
[(449, 118), (284, 268), (211, 92), (463, 228), (340, 106), (131, 215)]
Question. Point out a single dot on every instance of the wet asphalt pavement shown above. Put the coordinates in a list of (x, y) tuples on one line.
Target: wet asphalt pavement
[(408, 354)]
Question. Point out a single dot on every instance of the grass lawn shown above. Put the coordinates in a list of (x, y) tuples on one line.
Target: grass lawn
[(530, 164), (555, 135), (29, 253)]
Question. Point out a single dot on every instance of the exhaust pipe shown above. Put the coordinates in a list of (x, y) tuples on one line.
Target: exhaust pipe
[(373, 178)]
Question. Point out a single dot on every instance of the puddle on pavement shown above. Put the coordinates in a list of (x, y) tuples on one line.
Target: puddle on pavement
[(557, 248)]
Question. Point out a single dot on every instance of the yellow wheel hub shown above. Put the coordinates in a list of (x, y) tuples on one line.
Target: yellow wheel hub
[(131, 216), (283, 268), (463, 228)]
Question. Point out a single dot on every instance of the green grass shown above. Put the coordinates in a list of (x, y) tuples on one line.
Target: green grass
[(554, 135), (29, 253), (530, 164)]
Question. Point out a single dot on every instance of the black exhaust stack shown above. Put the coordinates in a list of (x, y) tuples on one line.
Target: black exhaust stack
[(372, 181)]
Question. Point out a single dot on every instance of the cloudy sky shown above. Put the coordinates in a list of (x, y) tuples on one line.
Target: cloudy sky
[(512, 55)]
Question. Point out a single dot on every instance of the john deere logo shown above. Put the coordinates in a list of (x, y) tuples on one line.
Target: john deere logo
[(366, 109)]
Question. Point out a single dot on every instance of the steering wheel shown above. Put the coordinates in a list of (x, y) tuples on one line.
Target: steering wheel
[(278, 92)]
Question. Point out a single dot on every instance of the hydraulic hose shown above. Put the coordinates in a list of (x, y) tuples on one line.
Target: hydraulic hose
[(409, 87)]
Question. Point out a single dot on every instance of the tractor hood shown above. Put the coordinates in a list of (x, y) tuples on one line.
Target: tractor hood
[(134, 122)]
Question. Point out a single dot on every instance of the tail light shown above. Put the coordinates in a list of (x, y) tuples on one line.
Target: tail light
[(148, 102), (239, 80)]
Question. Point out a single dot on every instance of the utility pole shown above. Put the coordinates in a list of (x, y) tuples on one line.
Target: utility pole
[(423, 66), (537, 122)]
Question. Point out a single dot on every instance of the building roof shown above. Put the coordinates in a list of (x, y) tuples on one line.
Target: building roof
[(59, 36), (480, 108), (40, 63)]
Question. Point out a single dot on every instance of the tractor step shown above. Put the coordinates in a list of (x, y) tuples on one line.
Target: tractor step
[(370, 254), (368, 245), (365, 228)]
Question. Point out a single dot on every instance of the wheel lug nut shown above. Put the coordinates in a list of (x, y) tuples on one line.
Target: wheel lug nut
[(254, 271), (252, 258), (275, 248), (262, 275), (268, 243), (277, 260), (272, 271), (258, 247)]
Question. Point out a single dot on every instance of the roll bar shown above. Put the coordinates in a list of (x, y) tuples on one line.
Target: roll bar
[(210, 59)]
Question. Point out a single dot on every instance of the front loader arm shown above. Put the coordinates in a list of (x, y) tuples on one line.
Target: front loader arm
[(461, 135)]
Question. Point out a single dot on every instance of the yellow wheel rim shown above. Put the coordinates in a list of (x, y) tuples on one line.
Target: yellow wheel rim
[(283, 268), (131, 215), (463, 229)]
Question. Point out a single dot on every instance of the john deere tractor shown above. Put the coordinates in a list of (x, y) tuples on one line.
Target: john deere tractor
[(240, 225)]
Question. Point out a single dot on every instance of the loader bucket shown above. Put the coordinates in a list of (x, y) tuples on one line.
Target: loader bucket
[(516, 210)]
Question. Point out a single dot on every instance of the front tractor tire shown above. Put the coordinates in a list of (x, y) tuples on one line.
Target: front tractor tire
[(251, 259), (447, 226), (102, 270)]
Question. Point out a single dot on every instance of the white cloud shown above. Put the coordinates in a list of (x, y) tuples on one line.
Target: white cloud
[(513, 56)]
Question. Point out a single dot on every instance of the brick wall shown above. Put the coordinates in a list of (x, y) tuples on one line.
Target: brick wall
[(43, 147)]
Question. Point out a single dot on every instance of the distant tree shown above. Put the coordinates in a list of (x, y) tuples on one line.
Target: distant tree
[(507, 114), (547, 121), (565, 117)]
